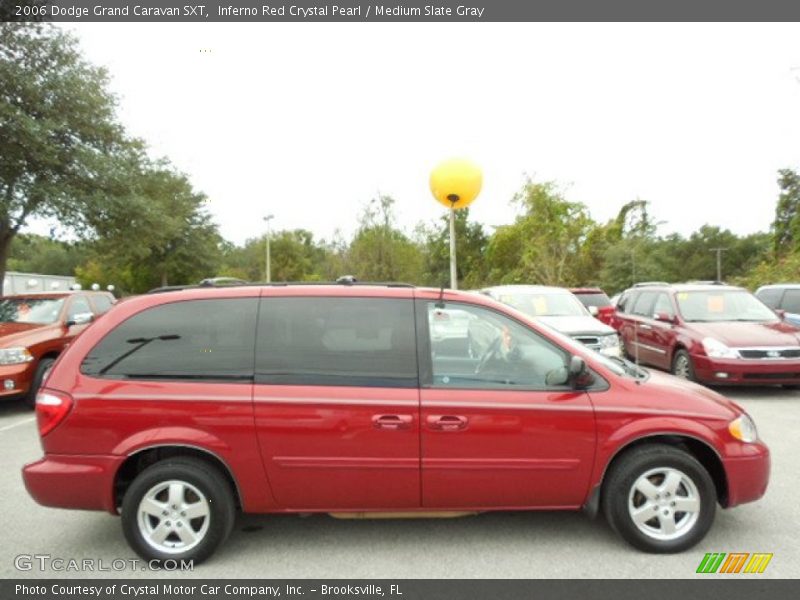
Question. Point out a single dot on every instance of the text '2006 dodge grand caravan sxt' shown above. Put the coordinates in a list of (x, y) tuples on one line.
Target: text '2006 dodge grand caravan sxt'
[(177, 409)]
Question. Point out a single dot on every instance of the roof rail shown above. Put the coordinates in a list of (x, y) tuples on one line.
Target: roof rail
[(175, 288), (650, 283), (705, 282)]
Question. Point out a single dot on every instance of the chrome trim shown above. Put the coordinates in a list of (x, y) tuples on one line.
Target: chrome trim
[(651, 348)]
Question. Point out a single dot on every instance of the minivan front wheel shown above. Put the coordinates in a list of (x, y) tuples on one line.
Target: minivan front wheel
[(659, 499), (180, 509), (682, 365)]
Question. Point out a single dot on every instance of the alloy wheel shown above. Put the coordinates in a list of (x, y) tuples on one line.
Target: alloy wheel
[(173, 516), (664, 503)]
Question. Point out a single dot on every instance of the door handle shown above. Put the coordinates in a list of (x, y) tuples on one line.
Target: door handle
[(392, 421), (447, 422)]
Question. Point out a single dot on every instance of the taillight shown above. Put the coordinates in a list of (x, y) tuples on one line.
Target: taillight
[(51, 408)]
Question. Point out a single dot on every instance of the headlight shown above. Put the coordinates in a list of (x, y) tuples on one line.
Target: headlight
[(716, 349), (609, 341), (14, 356), (743, 428)]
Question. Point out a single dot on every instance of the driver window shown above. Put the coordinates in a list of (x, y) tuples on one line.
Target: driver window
[(476, 348)]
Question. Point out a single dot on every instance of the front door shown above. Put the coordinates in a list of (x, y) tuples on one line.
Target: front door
[(337, 401), (500, 426)]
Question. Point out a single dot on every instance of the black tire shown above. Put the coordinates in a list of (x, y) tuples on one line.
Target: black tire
[(203, 476), (38, 378), (618, 492), (677, 365)]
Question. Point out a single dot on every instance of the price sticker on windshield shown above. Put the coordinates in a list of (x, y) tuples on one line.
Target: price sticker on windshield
[(716, 304)]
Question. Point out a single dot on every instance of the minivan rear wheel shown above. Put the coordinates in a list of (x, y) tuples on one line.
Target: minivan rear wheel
[(659, 499), (180, 509)]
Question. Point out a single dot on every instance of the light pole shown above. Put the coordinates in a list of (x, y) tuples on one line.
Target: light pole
[(719, 252), (267, 269)]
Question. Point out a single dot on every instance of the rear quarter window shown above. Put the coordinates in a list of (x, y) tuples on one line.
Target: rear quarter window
[(191, 340), (771, 297)]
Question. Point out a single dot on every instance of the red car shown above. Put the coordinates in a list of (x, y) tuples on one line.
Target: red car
[(711, 333), (597, 302), (179, 408), (35, 328)]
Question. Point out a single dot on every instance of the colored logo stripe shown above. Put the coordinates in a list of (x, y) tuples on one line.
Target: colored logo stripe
[(734, 562), (758, 562), (713, 562)]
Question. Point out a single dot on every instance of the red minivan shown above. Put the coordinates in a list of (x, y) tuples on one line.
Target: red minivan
[(179, 409)]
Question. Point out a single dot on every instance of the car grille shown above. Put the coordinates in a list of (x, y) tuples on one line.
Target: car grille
[(769, 353), (590, 340)]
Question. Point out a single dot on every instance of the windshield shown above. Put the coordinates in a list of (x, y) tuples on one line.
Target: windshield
[(40, 311), (722, 305), (549, 304)]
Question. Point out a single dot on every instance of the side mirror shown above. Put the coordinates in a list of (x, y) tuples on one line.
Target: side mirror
[(579, 374), (79, 319), (593, 310), (664, 317)]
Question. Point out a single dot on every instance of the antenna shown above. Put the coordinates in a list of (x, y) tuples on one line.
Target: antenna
[(440, 300)]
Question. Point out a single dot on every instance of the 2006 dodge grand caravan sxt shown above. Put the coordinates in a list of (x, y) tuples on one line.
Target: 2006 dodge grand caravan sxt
[(177, 409)]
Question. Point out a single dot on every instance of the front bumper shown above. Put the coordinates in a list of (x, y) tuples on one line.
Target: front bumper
[(20, 375), (743, 371), (73, 481), (748, 474)]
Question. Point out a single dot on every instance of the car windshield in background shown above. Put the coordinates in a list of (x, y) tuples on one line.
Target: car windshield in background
[(594, 299), (545, 305), (40, 311), (722, 305)]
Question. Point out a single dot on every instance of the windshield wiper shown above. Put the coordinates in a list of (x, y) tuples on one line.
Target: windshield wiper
[(142, 342)]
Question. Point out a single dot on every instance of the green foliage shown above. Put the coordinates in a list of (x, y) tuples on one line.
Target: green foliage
[(434, 242), (786, 227), (38, 254)]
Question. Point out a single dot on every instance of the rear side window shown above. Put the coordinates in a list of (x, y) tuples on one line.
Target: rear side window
[(191, 340), (771, 297), (791, 301), (366, 342), (625, 302), (644, 304), (102, 303)]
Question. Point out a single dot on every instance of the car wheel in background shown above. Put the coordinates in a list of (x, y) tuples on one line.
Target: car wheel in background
[(682, 365), (38, 378), (180, 509), (659, 499)]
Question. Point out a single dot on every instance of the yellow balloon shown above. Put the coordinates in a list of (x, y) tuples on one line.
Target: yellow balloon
[(456, 182)]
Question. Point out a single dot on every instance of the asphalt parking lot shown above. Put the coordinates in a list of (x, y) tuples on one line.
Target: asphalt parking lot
[(498, 545)]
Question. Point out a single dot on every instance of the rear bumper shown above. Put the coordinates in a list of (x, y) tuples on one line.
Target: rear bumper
[(746, 372), (71, 481), (748, 474)]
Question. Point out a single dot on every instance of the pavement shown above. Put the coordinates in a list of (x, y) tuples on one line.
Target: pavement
[(490, 545)]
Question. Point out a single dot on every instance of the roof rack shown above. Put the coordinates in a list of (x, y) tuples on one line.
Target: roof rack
[(176, 288), (705, 282), (650, 283)]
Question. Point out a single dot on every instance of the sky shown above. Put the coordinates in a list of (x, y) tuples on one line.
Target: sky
[(308, 121)]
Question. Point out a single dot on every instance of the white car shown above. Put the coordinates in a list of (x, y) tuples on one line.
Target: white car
[(561, 310)]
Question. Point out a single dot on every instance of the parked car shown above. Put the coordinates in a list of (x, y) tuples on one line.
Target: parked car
[(561, 310), (783, 298), (596, 302), (179, 408), (35, 329), (711, 333)]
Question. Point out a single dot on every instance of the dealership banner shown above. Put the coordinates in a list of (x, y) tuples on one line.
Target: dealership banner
[(409, 10), (400, 589)]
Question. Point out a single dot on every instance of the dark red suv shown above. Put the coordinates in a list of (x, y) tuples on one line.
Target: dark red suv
[(711, 333), (177, 409)]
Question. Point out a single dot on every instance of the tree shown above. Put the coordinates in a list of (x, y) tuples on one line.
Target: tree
[(38, 254), (379, 251), (544, 243), (786, 227), (471, 241), (57, 128)]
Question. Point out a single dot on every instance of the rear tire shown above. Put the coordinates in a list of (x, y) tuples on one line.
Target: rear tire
[(38, 378), (644, 492), (682, 365), (178, 509)]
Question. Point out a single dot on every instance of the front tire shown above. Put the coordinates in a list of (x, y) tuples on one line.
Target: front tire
[(659, 499), (41, 372), (179, 509), (682, 366)]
